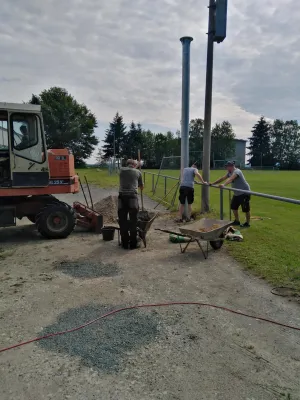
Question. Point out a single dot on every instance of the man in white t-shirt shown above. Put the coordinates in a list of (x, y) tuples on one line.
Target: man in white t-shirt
[(186, 190)]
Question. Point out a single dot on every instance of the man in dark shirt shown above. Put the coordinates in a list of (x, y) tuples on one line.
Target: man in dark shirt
[(128, 205)]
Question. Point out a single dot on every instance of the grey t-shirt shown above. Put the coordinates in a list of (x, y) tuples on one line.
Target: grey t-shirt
[(188, 177), (130, 180), (239, 182)]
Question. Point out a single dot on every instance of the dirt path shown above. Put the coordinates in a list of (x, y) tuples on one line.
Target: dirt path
[(182, 353)]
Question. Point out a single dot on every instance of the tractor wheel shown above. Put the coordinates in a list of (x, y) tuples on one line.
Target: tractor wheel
[(32, 218), (56, 221)]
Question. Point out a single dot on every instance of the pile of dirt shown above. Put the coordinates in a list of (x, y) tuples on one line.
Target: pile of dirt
[(108, 208)]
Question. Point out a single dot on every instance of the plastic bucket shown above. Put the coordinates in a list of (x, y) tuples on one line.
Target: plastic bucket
[(108, 234)]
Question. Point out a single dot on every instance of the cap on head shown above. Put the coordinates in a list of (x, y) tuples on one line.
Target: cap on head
[(131, 162), (230, 164)]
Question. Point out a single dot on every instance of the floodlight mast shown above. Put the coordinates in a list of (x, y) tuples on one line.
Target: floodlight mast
[(217, 24), (185, 106)]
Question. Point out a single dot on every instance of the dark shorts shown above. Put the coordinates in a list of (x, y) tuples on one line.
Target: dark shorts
[(243, 200), (186, 193)]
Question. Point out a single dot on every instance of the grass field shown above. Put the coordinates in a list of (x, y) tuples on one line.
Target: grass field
[(271, 247)]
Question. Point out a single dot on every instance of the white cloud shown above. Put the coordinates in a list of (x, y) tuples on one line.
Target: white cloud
[(125, 55)]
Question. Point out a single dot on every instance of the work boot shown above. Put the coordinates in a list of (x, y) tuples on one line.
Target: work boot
[(178, 220), (136, 244), (236, 223), (245, 225)]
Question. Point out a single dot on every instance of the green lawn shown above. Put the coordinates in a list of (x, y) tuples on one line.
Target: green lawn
[(271, 247)]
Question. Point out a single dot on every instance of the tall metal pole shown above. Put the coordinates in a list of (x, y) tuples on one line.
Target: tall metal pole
[(207, 107), (185, 105)]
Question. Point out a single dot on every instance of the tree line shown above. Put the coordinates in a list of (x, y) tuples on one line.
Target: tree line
[(276, 142), (69, 124), (122, 141)]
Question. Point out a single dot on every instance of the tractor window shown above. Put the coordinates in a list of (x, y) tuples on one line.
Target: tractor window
[(27, 137), (3, 135)]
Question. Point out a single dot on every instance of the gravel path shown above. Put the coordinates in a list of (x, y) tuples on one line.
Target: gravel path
[(182, 353)]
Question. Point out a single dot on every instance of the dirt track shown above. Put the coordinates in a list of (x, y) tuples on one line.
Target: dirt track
[(182, 353)]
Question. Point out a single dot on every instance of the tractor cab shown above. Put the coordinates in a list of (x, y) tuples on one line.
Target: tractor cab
[(31, 175), (23, 155)]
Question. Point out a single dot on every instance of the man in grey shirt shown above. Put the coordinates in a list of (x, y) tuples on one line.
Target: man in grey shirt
[(128, 205), (238, 181), (186, 190)]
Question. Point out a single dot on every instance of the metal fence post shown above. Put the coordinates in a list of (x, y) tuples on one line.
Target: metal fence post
[(165, 192), (152, 183), (221, 204)]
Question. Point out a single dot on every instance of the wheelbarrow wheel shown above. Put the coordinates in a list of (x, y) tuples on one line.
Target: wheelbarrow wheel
[(217, 244)]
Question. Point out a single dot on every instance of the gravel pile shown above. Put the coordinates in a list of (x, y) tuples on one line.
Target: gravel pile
[(108, 208), (88, 269), (104, 345)]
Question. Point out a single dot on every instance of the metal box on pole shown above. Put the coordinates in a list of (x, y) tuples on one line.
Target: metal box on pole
[(220, 20), (216, 33)]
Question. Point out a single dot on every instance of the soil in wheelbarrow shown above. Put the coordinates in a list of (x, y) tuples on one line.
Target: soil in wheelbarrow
[(145, 220), (145, 215)]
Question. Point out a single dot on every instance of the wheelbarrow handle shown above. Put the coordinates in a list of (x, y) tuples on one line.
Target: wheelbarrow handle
[(171, 232)]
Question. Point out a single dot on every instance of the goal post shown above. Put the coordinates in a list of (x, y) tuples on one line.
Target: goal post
[(170, 166), (167, 163)]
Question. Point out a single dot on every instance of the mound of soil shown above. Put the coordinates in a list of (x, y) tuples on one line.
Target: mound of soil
[(108, 208)]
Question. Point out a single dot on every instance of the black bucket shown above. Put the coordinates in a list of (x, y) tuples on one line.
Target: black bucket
[(108, 233)]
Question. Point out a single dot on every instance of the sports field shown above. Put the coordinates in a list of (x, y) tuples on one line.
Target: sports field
[(271, 247)]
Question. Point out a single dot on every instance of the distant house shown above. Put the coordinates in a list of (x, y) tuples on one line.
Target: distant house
[(238, 155), (240, 152)]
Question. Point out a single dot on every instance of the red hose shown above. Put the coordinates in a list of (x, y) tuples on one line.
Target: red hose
[(148, 306)]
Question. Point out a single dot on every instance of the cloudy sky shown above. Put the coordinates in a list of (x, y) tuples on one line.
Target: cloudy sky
[(125, 55)]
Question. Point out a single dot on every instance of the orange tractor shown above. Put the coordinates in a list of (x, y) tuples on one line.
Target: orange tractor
[(30, 175)]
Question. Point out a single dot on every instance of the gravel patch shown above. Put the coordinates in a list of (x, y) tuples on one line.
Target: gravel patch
[(88, 269), (106, 344)]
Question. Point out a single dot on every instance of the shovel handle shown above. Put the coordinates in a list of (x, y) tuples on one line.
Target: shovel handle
[(139, 159)]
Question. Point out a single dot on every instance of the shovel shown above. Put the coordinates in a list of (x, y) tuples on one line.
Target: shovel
[(143, 215)]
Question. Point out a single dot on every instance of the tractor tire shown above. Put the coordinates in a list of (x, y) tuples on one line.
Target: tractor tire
[(56, 221), (32, 218)]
